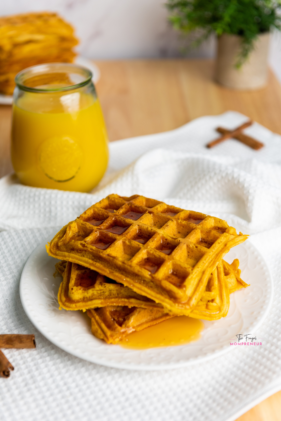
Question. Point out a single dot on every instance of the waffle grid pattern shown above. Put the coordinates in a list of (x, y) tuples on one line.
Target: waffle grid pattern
[(155, 245), (82, 289), (113, 324)]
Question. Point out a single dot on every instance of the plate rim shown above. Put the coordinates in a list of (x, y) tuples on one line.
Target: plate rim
[(143, 366)]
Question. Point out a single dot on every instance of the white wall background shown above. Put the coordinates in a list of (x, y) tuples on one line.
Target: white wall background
[(112, 29)]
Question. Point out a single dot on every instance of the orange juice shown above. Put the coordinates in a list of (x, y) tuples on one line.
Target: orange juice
[(59, 138), (54, 147)]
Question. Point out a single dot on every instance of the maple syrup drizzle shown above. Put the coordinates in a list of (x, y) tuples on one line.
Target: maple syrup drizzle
[(86, 279), (166, 251), (170, 213), (116, 229), (176, 331), (151, 267), (194, 221), (95, 222), (141, 240), (132, 215), (101, 245), (174, 279)]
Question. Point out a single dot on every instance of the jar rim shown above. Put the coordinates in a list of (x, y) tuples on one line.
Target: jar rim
[(42, 69)]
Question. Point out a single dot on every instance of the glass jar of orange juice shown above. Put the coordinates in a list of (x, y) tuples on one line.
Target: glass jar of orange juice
[(59, 138)]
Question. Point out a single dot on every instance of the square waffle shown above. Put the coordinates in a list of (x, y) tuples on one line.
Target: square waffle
[(160, 251), (82, 289), (114, 323)]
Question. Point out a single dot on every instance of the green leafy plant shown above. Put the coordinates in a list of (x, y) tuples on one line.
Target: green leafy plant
[(246, 18)]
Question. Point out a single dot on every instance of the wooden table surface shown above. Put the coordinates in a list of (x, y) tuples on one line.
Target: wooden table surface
[(144, 97)]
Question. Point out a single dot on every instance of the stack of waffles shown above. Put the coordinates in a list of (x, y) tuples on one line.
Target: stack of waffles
[(30, 39), (133, 262)]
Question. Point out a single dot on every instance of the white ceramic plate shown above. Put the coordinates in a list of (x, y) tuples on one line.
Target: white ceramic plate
[(70, 330), (8, 99)]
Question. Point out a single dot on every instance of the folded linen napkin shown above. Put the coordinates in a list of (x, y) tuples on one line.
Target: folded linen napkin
[(232, 182)]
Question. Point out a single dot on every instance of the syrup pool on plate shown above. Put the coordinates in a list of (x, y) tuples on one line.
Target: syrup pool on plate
[(59, 137), (175, 331)]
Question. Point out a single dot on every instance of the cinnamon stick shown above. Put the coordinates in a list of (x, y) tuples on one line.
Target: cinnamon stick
[(17, 341), (244, 138), (5, 366), (229, 133)]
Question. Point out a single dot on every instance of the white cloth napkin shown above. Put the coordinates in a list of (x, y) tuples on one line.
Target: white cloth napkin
[(230, 181)]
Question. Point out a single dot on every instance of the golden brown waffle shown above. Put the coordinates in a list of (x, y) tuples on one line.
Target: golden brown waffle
[(232, 273), (215, 301), (162, 252), (30, 39), (60, 268), (84, 288), (112, 324)]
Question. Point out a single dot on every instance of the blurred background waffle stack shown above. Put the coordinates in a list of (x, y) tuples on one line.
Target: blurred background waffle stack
[(30, 39)]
